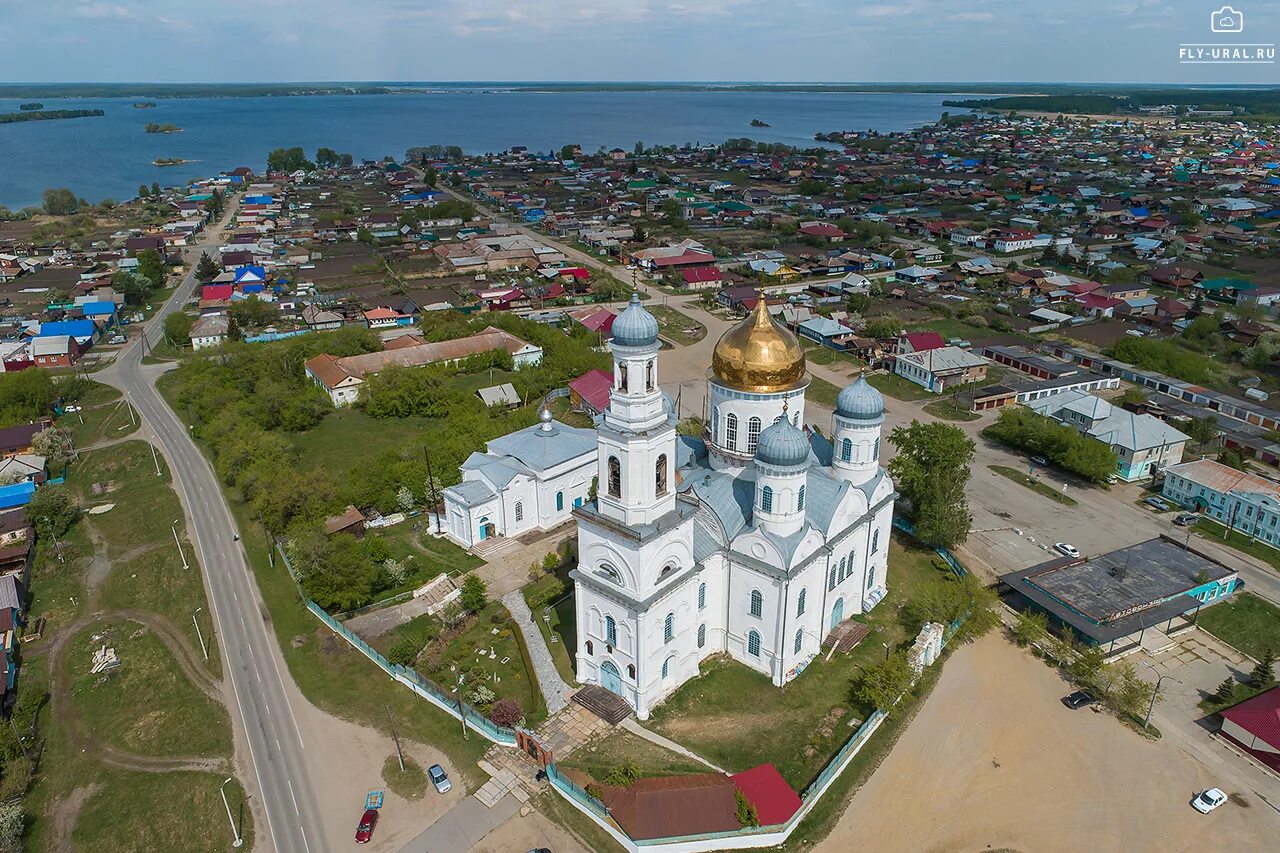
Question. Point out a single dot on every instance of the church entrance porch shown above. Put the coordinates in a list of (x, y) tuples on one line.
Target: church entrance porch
[(837, 614), (610, 678)]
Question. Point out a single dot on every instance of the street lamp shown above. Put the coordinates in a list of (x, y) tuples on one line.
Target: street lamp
[(200, 636), (1155, 694), (231, 820), (173, 528)]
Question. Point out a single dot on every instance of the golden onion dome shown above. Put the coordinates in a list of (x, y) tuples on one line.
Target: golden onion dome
[(759, 354)]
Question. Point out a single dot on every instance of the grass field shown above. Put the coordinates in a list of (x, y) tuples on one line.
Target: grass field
[(734, 716), (424, 555), (677, 326), (818, 354), (822, 391), (559, 631), (897, 387), (1237, 540), (1033, 484), (949, 410), (1249, 623), (599, 756), (146, 705), (162, 812), (410, 783), (101, 423)]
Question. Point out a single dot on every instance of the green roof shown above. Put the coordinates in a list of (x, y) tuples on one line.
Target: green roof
[(1216, 284)]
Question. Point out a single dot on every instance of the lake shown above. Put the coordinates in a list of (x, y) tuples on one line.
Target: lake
[(109, 156)]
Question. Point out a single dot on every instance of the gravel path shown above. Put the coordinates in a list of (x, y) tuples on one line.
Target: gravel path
[(554, 690)]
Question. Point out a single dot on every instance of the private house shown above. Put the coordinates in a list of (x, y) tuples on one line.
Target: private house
[(341, 378), (383, 317), (941, 368), (1245, 502), (83, 331), (915, 274), (529, 480), (209, 330), (1143, 444), (321, 319), (55, 351), (826, 331), (17, 439), (23, 468), (699, 278), (590, 392), (1254, 727), (823, 231), (918, 342)]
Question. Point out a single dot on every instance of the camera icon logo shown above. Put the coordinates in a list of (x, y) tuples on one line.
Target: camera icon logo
[(1226, 20)]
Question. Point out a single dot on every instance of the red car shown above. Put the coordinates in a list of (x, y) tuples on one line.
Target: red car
[(364, 831)]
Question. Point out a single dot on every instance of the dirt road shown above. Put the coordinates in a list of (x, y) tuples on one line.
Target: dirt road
[(994, 760)]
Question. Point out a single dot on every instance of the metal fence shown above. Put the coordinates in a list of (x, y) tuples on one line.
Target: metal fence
[(570, 789)]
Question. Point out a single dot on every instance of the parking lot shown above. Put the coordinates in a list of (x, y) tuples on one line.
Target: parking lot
[(996, 761)]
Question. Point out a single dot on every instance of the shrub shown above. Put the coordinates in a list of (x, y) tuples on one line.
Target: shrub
[(506, 712), (746, 811), (405, 651), (475, 595), (1030, 628)]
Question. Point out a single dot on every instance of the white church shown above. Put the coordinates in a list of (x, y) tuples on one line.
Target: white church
[(756, 540)]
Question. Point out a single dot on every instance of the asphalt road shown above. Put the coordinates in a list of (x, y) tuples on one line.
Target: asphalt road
[(250, 654)]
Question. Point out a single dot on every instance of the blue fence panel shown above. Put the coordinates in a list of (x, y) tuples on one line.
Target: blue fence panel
[(906, 526), (570, 789)]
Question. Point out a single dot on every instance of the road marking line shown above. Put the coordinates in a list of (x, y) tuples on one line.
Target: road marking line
[(303, 830), (295, 799)]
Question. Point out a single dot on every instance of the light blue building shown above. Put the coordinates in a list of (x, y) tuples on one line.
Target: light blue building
[(1245, 502)]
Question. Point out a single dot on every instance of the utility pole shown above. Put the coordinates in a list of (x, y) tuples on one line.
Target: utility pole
[(154, 459), (395, 737), (173, 528), (200, 636), (431, 487), (462, 708), (1155, 694), (235, 831)]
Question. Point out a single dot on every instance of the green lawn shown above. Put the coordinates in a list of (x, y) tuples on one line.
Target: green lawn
[(949, 410), (1237, 540), (410, 783), (735, 717), (349, 437), (162, 812), (147, 705), (1033, 484), (558, 626), (950, 328), (490, 651), (818, 354), (1249, 623), (822, 391), (145, 506), (899, 388), (677, 326), (424, 555), (600, 755), (102, 423)]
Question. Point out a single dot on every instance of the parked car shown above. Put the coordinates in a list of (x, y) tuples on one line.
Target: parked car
[(116, 339), (1039, 460), (1066, 550), (1186, 519), (364, 832), (439, 779), (1158, 504), (1077, 700), (1207, 801)]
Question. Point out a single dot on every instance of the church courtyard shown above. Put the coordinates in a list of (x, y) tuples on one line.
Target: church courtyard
[(735, 717)]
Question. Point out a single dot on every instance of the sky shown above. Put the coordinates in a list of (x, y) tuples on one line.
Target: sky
[(621, 40)]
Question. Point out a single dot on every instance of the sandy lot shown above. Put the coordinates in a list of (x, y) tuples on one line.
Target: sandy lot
[(994, 760), (528, 833)]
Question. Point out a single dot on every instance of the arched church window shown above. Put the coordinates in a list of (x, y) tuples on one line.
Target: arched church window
[(669, 628), (610, 631), (800, 499), (519, 510), (611, 573), (702, 596), (589, 647), (622, 377), (875, 541), (831, 577), (731, 431), (753, 643), (875, 449), (846, 450), (702, 635), (757, 603), (650, 375), (766, 499), (753, 434), (799, 640), (631, 671), (800, 603), (715, 425), (660, 475), (871, 578), (615, 477)]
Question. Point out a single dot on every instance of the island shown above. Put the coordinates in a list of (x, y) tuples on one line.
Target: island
[(755, 122), (162, 128), (170, 161), (29, 107), (46, 115), (145, 105)]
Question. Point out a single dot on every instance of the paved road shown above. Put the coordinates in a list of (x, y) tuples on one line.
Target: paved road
[(284, 793)]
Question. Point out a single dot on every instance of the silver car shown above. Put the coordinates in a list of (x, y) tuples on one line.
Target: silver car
[(439, 779)]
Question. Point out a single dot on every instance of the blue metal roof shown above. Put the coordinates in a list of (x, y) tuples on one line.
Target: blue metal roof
[(74, 328), (95, 309), (540, 449)]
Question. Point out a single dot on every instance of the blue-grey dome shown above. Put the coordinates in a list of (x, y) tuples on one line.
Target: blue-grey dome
[(635, 327), (860, 401), (783, 443)]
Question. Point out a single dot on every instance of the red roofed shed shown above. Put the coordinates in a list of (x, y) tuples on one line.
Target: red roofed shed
[(591, 391), (1254, 726), (765, 789)]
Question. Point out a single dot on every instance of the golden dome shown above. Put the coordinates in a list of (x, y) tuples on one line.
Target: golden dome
[(759, 354)]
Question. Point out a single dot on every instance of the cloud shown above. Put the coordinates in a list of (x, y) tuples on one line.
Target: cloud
[(98, 11)]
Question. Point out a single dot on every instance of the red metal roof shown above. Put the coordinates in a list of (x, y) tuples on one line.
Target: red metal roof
[(1260, 716), (765, 789), (594, 387), (698, 274), (211, 292), (921, 341)]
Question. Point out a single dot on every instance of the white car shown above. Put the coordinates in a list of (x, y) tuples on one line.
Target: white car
[(1207, 801), (1066, 550), (439, 779)]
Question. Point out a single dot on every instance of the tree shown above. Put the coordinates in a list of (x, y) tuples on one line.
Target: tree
[(1226, 692), (151, 267), (1030, 628), (506, 712), (1201, 430), (143, 191), (336, 572), (885, 682), (326, 158), (475, 595), (155, 189), (234, 333), (288, 160), (1086, 669), (177, 328), (1127, 691), (885, 326), (51, 510), (364, 235), (253, 313), (60, 202), (931, 469), (1264, 672), (1133, 397), (207, 269), (54, 444), (405, 651), (214, 205)]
